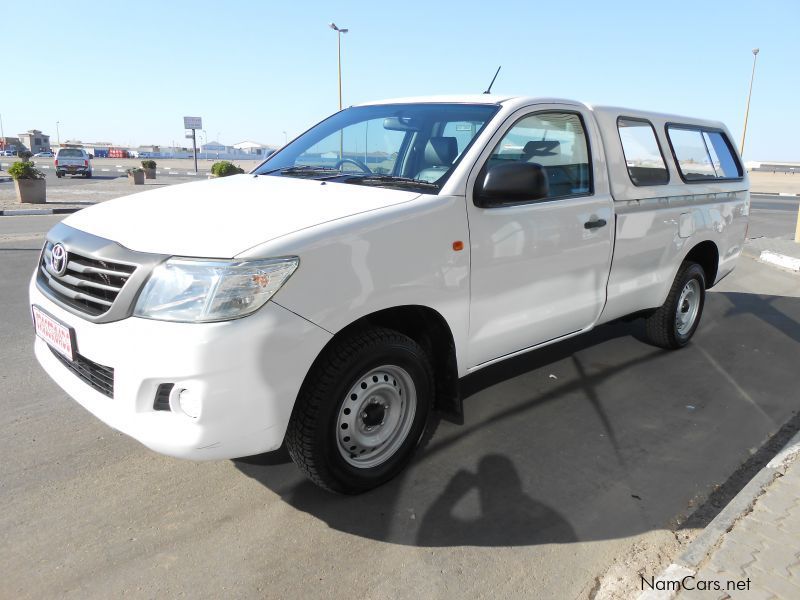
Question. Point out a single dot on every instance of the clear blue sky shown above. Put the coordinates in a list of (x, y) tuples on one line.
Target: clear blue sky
[(128, 72)]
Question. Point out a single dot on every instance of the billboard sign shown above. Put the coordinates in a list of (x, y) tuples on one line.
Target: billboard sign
[(192, 122)]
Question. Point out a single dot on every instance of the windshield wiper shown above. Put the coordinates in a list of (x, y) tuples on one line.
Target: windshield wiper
[(304, 169), (368, 179)]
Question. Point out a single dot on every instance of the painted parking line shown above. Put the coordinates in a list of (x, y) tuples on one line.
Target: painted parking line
[(105, 170), (120, 170), (173, 173)]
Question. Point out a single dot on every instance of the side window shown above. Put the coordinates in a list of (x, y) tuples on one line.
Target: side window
[(702, 154), (642, 153), (557, 142)]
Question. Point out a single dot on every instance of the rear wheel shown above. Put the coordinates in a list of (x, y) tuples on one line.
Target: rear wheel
[(674, 323), (362, 411)]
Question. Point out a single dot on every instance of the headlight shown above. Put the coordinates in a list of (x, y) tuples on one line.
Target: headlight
[(198, 291)]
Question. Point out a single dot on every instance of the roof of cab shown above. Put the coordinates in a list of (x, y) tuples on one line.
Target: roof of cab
[(448, 99), (525, 100), (472, 99)]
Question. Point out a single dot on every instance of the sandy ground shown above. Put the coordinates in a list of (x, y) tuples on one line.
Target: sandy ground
[(774, 183)]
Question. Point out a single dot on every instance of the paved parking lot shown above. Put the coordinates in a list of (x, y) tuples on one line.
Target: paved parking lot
[(108, 181), (593, 449)]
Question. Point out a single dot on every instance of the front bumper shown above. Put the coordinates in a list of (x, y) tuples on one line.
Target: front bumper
[(246, 373)]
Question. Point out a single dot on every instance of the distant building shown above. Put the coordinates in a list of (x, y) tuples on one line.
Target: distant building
[(11, 143), (35, 140), (97, 149), (212, 147), (254, 148)]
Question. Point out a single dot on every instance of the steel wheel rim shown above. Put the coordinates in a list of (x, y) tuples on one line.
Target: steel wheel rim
[(688, 307), (376, 416)]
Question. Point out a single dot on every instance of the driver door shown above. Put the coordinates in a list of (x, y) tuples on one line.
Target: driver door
[(539, 268)]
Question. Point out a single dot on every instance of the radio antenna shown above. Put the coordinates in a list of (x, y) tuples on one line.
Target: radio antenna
[(489, 89)]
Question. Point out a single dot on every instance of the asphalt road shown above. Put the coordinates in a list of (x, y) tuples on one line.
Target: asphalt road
[(775, 202), (568, 458), (773, 216)]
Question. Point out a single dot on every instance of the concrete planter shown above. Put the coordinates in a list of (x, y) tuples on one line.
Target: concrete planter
[(136, 178), (149, 173), (31, 191)]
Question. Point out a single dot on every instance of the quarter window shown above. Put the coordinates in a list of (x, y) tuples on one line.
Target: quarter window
[(642, 153), (722, 158), (702, 154), (557, 142)]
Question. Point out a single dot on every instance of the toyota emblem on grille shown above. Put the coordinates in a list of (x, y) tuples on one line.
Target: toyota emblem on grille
[(58, 260)]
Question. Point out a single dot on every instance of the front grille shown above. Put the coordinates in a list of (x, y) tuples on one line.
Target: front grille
[(89, 285), (98, 376)]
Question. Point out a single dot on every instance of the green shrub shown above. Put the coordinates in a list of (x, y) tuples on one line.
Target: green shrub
[(149, 164), (25, 155), (133, 170), (24, 170), (224, 168)]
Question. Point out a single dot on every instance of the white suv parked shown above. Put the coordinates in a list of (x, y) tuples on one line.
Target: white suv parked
[(332, 299), (73, 161)]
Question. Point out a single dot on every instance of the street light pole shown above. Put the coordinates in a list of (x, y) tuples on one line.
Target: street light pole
[(750, 93), (339, 33), (58, 135)]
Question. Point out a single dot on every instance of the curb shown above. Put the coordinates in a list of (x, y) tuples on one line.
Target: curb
[(780, 260), (772, 258), (12, 212), (689, 561)]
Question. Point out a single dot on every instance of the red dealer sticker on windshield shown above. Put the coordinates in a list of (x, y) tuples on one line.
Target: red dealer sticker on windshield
[(58, 336)]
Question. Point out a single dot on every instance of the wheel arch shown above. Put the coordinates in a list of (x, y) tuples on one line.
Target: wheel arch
[(429, 329), (705, 254)]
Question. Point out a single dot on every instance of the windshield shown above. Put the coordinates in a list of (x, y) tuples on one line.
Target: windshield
[(402, 146)]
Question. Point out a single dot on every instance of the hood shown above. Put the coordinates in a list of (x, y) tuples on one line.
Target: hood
[(220, 218)]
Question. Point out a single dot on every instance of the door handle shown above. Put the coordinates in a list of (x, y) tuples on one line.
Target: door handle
[(594, 224)]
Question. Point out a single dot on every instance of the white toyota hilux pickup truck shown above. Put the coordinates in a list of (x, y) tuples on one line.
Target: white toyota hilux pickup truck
[(332, 299)]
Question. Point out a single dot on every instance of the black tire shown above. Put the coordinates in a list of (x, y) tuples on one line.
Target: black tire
[(313, 438), (661, 327)]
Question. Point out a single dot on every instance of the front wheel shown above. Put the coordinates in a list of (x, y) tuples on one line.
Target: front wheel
[(362, 411), (674, 323)]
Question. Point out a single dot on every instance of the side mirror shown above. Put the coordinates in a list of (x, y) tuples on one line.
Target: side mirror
[(508, 183)]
